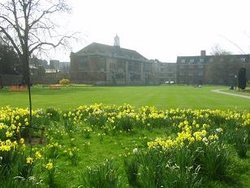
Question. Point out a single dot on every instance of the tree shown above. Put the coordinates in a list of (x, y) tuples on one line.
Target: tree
[(27, 26), (222, 68), (218, 51), (217, 69), (242, 80), (8, 60)]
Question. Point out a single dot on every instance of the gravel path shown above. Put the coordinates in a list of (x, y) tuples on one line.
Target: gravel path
[(232, 94)]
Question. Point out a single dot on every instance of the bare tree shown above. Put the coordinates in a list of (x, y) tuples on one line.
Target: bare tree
[(218, 51), (28, 27)]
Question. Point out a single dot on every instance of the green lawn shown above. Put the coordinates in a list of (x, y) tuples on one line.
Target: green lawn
[(98, 134), (160, 96)]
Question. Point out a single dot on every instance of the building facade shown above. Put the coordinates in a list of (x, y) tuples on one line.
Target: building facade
[(217, 69), (167, 73), (112, 65)]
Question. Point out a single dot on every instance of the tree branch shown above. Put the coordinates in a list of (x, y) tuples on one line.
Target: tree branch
[(20, 37), (28, 25), (11, 40), (60, 42), (50, 10)]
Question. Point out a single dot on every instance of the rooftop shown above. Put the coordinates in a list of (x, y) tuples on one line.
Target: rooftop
[(110, 51)]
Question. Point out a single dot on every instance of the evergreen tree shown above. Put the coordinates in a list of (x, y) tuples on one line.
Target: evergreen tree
[(242, 80)]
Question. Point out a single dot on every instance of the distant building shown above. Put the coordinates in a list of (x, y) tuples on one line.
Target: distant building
[(59, 66), (64, 67), (54, 64), (217, 69), (112, 65), (167, 73), (191, 69)]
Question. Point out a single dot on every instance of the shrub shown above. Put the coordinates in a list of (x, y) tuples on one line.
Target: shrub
[(64, 81)]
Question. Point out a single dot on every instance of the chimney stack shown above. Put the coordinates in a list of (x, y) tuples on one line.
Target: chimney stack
[(203, 53)]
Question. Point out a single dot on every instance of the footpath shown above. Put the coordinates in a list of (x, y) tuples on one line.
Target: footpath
[(232, 94)]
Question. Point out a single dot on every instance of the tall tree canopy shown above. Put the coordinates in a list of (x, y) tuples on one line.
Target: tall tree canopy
[(27, 26)]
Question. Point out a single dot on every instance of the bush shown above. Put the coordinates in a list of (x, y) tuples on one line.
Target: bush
[(64, 81)]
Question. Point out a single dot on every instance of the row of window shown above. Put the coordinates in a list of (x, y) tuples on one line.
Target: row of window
[(191, 66), (212, 59), (184, 60)]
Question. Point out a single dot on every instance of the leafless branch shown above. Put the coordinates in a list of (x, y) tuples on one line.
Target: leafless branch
[(31, 24), (11, 40), (54, 45)]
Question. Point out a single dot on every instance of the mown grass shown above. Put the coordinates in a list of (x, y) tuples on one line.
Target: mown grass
[(98, 147), (162, 97)]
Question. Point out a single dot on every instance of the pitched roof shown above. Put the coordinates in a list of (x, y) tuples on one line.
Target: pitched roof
[(110, 51)]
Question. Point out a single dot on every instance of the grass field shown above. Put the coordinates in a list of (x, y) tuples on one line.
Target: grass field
[(204, 148), (160, 96)]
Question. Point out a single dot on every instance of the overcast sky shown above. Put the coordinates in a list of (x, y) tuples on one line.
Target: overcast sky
[(162, 29)]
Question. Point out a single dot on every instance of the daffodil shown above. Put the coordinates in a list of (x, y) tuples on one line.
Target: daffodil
[(49, 165), (29, 160)]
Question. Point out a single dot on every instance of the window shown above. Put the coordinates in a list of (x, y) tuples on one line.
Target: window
[(83, 60), (200, 73), (183, 61), (181, 73), (202, 60), (182, 66), (243, 59), (232, 60), (191, 61), (200, 66)]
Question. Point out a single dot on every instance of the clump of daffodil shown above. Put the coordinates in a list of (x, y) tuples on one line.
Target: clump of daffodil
[(29, 160), (49, 166), (21, 141), (38, 155)]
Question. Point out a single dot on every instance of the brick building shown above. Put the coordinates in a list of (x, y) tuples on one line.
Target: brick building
[(112, 65), (167, 72), (212, 69)]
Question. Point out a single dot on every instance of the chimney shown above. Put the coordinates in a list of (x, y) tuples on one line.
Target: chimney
[(203, 53)]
